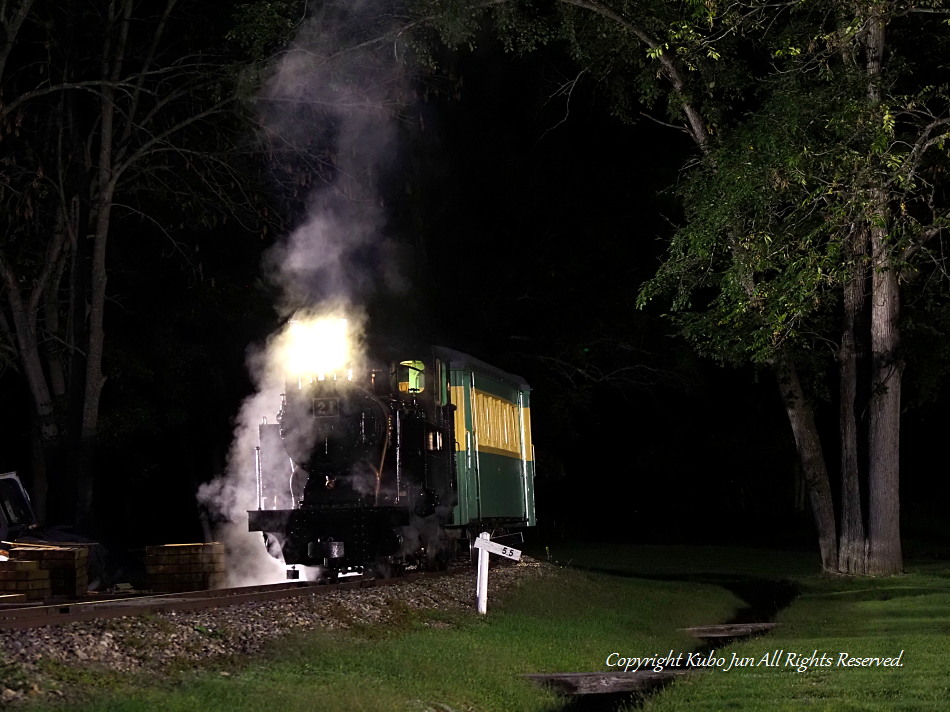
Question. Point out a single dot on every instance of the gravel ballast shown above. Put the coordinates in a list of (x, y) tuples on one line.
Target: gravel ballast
[(31, 658)]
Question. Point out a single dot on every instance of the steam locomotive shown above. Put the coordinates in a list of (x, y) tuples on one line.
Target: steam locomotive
[(399, 467)]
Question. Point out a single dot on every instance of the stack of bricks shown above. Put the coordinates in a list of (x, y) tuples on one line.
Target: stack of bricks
[(174, 568), (66, 567), (25, 578)]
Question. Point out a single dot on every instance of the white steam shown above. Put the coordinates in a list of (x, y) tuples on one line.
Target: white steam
[(332, 99), (230, 497)]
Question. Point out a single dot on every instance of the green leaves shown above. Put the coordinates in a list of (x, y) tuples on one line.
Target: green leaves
[(260, 28), (762, 241), (763, 254)]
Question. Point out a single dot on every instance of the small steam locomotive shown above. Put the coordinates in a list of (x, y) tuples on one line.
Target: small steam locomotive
[(400, 467)]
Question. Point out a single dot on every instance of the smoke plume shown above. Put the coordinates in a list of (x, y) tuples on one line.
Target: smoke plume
[(331, 99)]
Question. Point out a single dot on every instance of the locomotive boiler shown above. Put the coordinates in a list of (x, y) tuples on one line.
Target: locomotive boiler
[(396, 466)]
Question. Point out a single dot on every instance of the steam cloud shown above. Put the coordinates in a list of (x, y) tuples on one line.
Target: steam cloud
[(332, 95), (339, 103)]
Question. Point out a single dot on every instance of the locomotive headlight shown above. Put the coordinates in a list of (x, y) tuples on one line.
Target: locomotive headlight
[(316, 348)]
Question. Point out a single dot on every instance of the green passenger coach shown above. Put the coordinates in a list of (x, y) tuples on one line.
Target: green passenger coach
[(494, 455)]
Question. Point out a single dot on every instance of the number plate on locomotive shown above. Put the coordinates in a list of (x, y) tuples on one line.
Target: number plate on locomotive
[(326, 407)]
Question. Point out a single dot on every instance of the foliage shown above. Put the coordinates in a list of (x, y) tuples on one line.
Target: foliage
[(261, 29), (754, 268), (618, 45), (759, 266)]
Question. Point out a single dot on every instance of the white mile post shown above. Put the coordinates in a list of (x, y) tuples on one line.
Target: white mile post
[(481, 584), (485, 546)]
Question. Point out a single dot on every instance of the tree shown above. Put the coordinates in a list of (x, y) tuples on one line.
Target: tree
[(831, 194), (819, 187), (113, 114)]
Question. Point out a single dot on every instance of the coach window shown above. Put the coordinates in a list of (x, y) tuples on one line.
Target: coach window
[(412, 376)]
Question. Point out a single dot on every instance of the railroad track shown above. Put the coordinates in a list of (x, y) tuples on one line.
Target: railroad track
[(21, 617)]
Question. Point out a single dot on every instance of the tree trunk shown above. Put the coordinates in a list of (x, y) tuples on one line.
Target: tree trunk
[(85, 476), (884, 556), (94, 380), (884, 552), (47, 434), (808, 444), (852, 549)]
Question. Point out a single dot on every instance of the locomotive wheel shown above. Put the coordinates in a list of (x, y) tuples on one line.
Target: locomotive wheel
[(437, 561), (438, 556), (384, 568)]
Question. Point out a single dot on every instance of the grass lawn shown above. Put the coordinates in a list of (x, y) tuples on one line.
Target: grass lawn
[(860, 617), (841, 619), (571, 620)]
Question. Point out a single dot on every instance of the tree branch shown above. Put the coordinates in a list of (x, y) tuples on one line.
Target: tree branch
[(11, 28), (697, 126), (159, 138)]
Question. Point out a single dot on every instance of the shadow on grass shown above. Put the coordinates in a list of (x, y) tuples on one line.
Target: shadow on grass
[(884, 593), (763, 600), (610, 701)]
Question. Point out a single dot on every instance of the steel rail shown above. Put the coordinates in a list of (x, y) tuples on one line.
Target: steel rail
[(35, 616)]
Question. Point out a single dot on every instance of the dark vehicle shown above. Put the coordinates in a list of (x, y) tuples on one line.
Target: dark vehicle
[(399, 467), (16, 512)]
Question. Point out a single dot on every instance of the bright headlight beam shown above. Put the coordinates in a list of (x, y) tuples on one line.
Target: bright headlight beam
[(315, 347)]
